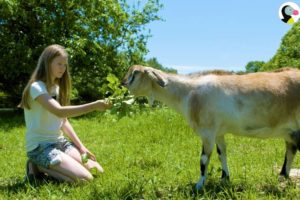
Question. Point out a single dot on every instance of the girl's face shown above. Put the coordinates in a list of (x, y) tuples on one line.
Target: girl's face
[(58, 67)]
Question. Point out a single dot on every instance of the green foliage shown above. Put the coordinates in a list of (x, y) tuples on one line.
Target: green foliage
[(288, 54), (123, 104), (114, 86), (254, 66), (154, 155), (101, 37)]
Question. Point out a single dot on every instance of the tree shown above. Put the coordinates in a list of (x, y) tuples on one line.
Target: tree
[(288, 54), (153, 62), (254, 66), (101, 37)]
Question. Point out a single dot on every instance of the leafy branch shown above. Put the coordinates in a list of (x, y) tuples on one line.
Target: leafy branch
[(123, 104)]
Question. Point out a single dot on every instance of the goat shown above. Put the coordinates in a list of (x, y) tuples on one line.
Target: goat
[(263, 105)]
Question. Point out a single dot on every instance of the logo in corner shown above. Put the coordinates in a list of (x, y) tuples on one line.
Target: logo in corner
[(289, 12)]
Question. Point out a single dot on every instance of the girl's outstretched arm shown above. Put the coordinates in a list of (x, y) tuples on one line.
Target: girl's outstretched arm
[(70, 111)]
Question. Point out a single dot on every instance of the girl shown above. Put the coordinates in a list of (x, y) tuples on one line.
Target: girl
[(45, 101)]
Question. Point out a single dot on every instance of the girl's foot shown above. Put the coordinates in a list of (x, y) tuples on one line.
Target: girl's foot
[(32, 171)]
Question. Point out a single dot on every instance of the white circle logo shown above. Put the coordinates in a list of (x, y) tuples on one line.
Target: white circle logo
[(289, 12)]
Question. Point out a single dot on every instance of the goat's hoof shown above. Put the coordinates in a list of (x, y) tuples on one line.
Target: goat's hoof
[(199, 186), (225, 179), (282, 178)]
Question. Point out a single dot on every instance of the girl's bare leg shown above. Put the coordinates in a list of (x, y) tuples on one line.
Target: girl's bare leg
[(74, 153), (68, 169)]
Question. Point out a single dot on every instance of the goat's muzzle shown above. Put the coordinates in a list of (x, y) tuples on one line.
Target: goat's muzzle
[(124, 83)]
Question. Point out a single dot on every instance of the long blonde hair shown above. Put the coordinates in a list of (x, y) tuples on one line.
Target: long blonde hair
[(42, 73)]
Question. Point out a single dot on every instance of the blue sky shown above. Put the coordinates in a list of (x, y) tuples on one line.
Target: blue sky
[(199, 35)]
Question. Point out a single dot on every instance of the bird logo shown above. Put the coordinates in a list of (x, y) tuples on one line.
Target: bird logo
[(289, 12)]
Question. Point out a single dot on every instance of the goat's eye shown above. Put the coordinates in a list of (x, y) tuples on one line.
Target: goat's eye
[(132, 77), (135, 72)]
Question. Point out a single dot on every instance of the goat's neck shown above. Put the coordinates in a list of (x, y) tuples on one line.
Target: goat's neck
[(173, 94)]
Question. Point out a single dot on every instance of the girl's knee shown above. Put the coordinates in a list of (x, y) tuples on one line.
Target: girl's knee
[(89, 177)]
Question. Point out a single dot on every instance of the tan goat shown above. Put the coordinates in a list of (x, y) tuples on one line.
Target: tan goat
[(263, 105)]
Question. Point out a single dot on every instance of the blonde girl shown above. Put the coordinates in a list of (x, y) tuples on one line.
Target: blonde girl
[(46, 106)]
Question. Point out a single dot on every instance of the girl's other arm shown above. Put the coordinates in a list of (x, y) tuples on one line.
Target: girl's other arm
[(69, 131)]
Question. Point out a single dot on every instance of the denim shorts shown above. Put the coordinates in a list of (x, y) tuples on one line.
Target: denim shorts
[(49, 153)]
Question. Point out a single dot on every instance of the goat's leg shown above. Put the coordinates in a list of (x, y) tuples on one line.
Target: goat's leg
[(291, 150), (221, 149), (207, 148)]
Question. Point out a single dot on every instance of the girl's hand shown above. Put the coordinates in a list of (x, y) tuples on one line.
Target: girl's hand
[(103, 104), (90, 154)]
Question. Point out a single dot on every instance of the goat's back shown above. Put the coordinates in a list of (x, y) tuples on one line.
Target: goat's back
[(264, 99)]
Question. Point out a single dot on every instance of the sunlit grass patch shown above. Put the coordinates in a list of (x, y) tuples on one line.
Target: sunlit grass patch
[(151, 155)]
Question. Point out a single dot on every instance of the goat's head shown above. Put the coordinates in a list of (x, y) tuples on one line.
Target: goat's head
[(140, 80)]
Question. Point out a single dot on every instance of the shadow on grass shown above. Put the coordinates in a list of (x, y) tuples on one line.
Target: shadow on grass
[(273, 190), (136, 190), (213, 189), (216, 189), (15, 185), (12, 185), (288, 188), (11, 119)]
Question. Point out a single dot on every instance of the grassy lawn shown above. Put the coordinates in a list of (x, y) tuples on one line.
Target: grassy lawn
[(151, 155)]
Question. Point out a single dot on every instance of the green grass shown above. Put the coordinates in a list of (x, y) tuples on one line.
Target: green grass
[(151, 155)]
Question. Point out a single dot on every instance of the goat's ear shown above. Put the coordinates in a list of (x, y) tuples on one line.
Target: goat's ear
[(157, 77)]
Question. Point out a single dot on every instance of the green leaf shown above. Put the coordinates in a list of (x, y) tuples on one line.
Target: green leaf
[(129, 101)]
